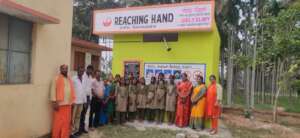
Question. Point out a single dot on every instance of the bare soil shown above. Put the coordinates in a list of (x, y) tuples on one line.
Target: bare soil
[(260, 126)]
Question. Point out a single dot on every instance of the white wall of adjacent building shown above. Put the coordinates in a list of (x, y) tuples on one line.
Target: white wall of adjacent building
[(106, 56)]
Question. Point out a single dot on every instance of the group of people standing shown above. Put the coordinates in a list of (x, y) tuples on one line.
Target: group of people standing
[(119, 99)]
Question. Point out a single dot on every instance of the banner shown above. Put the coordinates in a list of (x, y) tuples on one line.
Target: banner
[(192, 70), (191, 16)]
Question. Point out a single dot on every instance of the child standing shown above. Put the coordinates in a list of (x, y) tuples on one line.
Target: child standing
[(160, 98), (121, 101), (171, 100), (115, 84), (132, 99), (150, 105), (141, 99)]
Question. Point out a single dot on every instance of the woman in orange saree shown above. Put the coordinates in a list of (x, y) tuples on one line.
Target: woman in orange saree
[(213, 104), (198, 105), (183, 102)]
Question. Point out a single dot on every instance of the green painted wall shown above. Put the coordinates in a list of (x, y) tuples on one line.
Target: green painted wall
[(192, 47)]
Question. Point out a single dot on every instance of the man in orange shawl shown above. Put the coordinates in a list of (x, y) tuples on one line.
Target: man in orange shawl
[(213, 104), (62, 97), (183, 102)]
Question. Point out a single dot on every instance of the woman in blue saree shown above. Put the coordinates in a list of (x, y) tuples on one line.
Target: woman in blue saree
[(104, 101)]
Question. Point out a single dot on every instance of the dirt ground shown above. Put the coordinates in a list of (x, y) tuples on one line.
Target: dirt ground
[(261, 127), (232, 124)]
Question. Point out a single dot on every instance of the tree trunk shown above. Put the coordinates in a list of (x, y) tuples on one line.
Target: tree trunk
[(280, 87), (222, 76), (248, 87), (230, 71), (262, 69), (275, 106), (273, 83), (258, 86), (278, 71), (238, 83), (253, 72), (262, 84)]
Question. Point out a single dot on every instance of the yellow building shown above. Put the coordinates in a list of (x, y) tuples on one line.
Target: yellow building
[(169, 39), (35, 38)]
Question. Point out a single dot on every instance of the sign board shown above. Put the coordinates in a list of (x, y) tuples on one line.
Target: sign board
[(192, 70), (190, 16)]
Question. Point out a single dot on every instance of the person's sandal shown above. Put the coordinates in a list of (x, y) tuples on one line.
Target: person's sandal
[(209, 130), (213, 132)]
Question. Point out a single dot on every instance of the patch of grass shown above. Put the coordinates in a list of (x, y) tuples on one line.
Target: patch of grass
[(289, 104), (264, 106), (117, 131)]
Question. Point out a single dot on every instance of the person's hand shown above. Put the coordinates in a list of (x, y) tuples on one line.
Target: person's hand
[(93, 92), (55, 106), (72, 123), (183, 100), (85, 105), (193, 102), (216, 103), (149, 100), (88, 100)]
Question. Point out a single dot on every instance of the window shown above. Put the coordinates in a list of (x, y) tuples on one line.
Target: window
[(131, 68), (15, 50), (95, 61), (170, 37), (79, 60)]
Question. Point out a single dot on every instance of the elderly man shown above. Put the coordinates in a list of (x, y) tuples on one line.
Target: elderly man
[(62, 96)]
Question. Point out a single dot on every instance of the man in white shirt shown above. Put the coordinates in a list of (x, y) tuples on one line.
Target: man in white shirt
[(88, 79), (97, 92), (79, 100)]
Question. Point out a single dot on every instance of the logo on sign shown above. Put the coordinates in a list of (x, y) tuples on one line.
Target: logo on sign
[(107, 22)]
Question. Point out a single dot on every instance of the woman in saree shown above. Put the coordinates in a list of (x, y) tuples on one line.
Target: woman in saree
[(106, 96), (213, 104), (198, 105), (183, 102), (111, 98)]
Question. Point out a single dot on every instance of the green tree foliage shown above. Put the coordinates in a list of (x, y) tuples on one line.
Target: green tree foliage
[(283, 38), (82, 16)]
